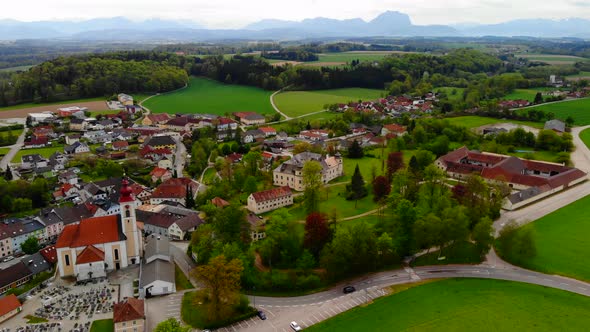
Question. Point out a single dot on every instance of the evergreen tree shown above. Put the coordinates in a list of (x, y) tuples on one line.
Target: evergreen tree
[(356, 189), (190, 200), (8, 174), (538, 98), (308, 127), (414, 167), (355, 151)]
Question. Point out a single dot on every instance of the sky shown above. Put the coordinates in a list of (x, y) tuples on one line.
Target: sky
[(237, 13)]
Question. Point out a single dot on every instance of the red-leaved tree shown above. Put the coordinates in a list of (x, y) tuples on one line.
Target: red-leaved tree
[(395, 162), (381, 188), (317, 232)]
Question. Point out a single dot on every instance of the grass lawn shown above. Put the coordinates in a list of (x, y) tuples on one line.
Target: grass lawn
[(35, 320), (456, 96), (562, 241), (297, 103), (28, 105), (535, 155), (209, 176), (181, 280), (468, 305), (473, 121), (45, 152), (334, 200), (194, 312), (459, 253), (208, 96), (578, 109), (103, 325), (4, 151), (367, 163), (580, 75), (526, 94), (584, 136)]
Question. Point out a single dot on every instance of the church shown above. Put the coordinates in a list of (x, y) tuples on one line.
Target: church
[(94, 246)]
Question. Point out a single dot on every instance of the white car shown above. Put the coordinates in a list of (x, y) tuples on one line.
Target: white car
[(295, 326)]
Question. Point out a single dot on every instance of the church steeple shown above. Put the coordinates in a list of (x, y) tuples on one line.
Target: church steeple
[(129, 222), (126, 194)]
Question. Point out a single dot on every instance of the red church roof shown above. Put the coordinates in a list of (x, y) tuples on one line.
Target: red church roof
[(90, 254), (131, 309), (90, 231)]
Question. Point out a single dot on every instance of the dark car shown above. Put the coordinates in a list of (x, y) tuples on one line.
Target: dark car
[(348, 289), (261, 315)]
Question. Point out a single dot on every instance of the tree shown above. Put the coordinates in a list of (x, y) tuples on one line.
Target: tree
[(312, 182), (231, 225), (252, 159), (517, 245), (355, 151), (570, 121), (250, 185), (538, 98), (222, 280), (482, 235), (356, 189), (190, 199), (395, 162), (8, 174), (171, 325), (413, 165), (381, 188), (30, 246), (317, 232), (306, 262), (405, 218)]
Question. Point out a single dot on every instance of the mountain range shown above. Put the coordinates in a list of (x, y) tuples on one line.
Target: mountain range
[(388, 24)]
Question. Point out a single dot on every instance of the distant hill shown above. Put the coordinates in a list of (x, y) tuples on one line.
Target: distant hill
[(573, 27)]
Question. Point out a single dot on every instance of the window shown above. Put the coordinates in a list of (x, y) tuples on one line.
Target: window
[(67, 260), (127, 212), (116, 254)]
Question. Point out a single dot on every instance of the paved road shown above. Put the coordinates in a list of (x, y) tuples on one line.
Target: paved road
[(13, 150), (272, 102), (180, 158), (581, 159)]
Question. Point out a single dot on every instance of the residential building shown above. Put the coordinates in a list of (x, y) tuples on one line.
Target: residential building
[(557, 126), (250, 118), (19, 230), (393, 129), (226, 124), (519, 174), (257, 227), (77, 147), (157, 275), (14, 276), (253, 135), (9, 306), (219, 202), (96, 245), (290, 173), (268, 131), (175, 223), (33, 161), (78, 124), (120, 145), (72, 138), (129, 316), (160, 174), (174, 190), (268, 200), (155, 119), (161, 142), (314, 135), (125, 99)]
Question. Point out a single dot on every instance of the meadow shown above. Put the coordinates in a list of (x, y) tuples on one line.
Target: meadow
[(210, 97), (472, 121), (298, 103), (579, 76), (562, 242), (526, 94), (553, 59), (585, 137), (453, 94), (44, 152), (578, 109), (467, 305)]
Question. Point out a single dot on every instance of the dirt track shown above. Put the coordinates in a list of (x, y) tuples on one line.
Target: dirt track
[(23, 112)]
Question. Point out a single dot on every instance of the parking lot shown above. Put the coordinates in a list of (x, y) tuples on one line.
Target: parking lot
[(163, 307), (279, 316)]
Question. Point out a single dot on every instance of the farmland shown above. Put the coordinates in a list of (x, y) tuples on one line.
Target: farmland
[(211, 97), (298, 103), (578, 109), (562, 242), (581, 75), (526, 94), (553, 59), (467, 305), (478, 121)]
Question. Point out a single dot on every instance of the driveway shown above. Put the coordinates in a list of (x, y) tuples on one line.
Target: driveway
[(13, 150)]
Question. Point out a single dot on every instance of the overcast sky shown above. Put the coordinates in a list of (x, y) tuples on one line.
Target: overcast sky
[(237, 13)]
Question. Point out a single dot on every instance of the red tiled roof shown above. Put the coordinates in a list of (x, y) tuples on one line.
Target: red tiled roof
[(90, 231), (90, 254), (120, 144), (174, 188), (267, 129), (50, 254), (395, 128), (159, 172), (219, 202), (271, 194), (484, 158), (224, 121), (243, 114), (159, 117), (455, 156), (131, 309), (8, 303)]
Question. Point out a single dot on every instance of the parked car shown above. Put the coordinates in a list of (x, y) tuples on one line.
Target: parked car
[(261, 315), (9, 258), (348, 289), (295, 326)]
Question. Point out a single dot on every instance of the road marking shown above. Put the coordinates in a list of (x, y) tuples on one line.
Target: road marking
[(333, 311), (582, 288), (564, 284)]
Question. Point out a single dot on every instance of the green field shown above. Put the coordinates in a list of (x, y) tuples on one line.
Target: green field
[(19, 68), (585, 137), (579, 109), (211, 97), (103, 325), (562, 241), (349, 56), (582, 74), (468, 305), (45, 152), (552, 58), (456, 96), (472, 121), (297, 103), (526, 94)]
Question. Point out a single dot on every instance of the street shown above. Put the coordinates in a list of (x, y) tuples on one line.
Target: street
[(13, 150)]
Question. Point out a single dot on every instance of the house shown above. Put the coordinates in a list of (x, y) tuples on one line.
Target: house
[(160, 174), (290, 173), (557, 126), (49, 254), (155, 119), (133, 109), (518, 174), (268, 200), (20, 229), (161, 142), (257, 227), (181, 123), (97, 136), (253, 135), (33, 161), (234, 158), (120, 145), (174, 222), (9, 306), (250, 118), (43, 132), (156, 155), (394, 129), (65, 191), (219, 202), (72, 138), (314, 135), (129, 316), (226, 124), (78, 124), (125, 99), (157, 276), (268, 131), (14, 276), (76, 148), (37, 118), (56, 218), (99, 244), (174, 190), (37, 142), (141, 193)]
